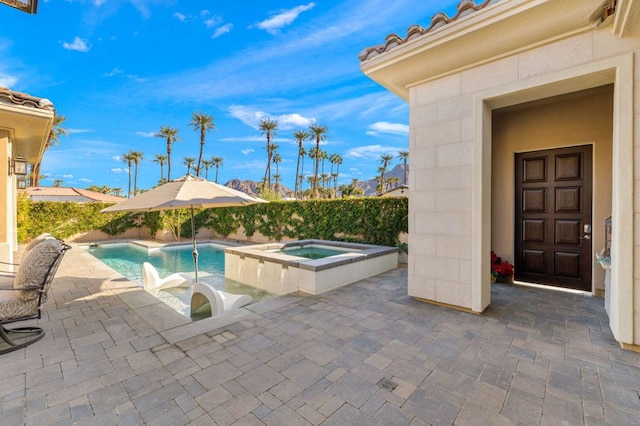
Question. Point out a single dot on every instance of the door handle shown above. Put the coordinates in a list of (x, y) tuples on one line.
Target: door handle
[(585, 237)]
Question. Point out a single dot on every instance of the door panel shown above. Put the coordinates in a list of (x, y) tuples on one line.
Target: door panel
[(553, 205)]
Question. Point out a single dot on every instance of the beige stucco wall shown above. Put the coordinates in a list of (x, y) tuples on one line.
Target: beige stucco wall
[(586, 118), (6, 215), (449, 131)]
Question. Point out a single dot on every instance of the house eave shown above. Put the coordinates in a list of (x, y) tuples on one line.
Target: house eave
[(28, 128), (498, 30)]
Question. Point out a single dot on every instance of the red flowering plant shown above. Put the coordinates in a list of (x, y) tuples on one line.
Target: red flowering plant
[(500, 268)]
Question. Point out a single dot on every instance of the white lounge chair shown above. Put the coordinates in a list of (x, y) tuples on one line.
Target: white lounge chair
[(202, 294), (152, 281)]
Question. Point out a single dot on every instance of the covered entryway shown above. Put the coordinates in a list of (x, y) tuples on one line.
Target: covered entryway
[(553, 217), (548, 207)]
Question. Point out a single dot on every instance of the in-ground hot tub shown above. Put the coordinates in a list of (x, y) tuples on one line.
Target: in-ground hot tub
[(311, 266)]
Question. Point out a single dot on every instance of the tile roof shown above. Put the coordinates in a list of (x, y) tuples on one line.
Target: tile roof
[(49, 193), (19, 98), (465, 7)]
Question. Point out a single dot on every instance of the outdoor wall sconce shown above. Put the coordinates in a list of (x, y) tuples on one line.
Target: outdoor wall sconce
[(29, 6), (18, 166), (22, 183)]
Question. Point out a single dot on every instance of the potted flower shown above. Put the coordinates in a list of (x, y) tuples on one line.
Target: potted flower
[(501, 270)]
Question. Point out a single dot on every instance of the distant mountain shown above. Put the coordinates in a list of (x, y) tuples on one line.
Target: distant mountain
[(369, 186), (252, 187)]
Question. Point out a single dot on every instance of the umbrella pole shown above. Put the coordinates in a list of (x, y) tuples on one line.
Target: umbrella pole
[(195, 248)]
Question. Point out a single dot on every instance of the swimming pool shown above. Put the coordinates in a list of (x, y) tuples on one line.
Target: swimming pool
[(127, 259)]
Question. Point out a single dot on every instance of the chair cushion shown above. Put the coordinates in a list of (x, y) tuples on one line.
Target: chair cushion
[(37, 240), (12, 305), (35, 265)]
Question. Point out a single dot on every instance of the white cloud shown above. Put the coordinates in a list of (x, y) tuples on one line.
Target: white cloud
[(283, 18), (72, 131), (248, 116), (256, 138), (119, 170), (99, 3), (290, 121), (78, 44), (247, 151), (371, 152), (146, 134), (67, 176), (384, 127), (180, 16), (85, 180), (251, 117), (116, 158), (214, 21), (113, 72), (7, 80), (222, 30)]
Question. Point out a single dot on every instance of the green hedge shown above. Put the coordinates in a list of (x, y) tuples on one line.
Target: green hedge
[(368, 220)]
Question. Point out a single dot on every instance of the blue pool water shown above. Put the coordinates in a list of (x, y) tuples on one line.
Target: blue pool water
[(313, 252), (127, 259)]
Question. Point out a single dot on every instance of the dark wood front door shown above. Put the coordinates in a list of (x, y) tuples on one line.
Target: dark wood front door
[(553, 217)]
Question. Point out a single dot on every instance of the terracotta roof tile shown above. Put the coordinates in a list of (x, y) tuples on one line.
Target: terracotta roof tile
[(50, 193), (465, 7), (19, 98)]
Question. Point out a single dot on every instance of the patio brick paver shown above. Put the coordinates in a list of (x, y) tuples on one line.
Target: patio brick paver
[(113, 356)]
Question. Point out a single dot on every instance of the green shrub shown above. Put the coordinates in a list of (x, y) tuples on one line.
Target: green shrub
[(372, 220)]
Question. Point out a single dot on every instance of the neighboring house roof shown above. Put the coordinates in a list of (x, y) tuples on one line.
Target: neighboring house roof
[(465, 7), (75, 195), (19, 98), (398, 191)]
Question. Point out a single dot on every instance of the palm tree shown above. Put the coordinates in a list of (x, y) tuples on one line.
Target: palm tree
[(160, 159), (188, 161), (136, 156), (300, 136), (204, 123), (127, 158), (57, 183), (207, 165), (337, 160), (384, 159), (322, 155), (392, 182), (319, 131), (404, 155), (277, 159), (325, 179), (217, 161), (269, 128), (171, 135), (56, 131)]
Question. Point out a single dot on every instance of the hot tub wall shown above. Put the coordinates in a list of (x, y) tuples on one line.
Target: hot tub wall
[(279, 273)]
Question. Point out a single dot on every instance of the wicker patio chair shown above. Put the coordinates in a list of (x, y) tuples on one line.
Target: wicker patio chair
[(23, 294)]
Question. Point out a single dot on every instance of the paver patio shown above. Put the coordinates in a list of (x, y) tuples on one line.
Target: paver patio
[(112, 355)]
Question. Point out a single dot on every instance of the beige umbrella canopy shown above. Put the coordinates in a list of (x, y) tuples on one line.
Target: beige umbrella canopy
[(186, 192)]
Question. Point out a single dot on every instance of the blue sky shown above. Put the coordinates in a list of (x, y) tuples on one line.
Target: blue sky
[(121, 69)]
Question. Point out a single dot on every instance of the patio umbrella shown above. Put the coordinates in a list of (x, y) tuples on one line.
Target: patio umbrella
[(186, 192)]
